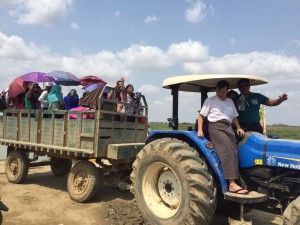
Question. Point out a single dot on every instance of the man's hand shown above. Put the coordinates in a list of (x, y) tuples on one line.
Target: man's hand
[(283, 97), (200, 134), (240, 132)]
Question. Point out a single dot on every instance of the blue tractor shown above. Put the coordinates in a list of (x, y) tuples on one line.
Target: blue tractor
[(177, 177)]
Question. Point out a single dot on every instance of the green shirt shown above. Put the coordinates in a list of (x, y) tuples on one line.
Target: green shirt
[(252, 106), (27, 103)]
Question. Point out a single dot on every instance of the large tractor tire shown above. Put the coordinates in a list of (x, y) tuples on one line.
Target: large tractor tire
[(60, 167), (291, 215), (172, 184), (16, 166), (83, 181)]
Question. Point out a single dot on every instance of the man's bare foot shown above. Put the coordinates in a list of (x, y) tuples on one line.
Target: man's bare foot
[(234, 188)]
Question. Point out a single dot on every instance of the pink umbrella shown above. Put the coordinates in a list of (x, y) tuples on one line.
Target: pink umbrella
[(80, 108), (17, 86), (91, 80)]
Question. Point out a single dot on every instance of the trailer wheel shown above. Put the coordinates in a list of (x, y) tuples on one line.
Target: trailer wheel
[(291, 215), (83, 181), (60, 167), (172, 184), (16, 166)]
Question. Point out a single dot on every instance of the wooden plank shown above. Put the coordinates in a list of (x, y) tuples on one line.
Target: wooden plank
[(11, 128), (124, 151), (46, 131), (56, 149)]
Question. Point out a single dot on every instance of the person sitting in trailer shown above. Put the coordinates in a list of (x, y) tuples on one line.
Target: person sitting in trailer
[(43, 99), (71, 100), (32, 96), (55, 98), (128, 108), (118, 94)]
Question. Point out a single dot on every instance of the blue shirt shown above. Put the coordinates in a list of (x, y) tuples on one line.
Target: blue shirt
[(71, 102)]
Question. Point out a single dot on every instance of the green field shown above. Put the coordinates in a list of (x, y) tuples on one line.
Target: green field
[(282, 131)]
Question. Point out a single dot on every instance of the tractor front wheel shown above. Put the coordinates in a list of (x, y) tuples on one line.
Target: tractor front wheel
[(172, 184)]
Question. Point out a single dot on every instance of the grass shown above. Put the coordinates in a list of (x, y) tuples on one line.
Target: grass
[(280, 130), (285, 132)]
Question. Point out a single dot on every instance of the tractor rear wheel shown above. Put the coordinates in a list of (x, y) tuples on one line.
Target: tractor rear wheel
[(172, 184)]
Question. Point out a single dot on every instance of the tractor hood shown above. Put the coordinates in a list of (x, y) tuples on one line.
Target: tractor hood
[(257, 149)]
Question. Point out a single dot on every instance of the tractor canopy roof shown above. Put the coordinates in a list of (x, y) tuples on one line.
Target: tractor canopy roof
[(196, 83)]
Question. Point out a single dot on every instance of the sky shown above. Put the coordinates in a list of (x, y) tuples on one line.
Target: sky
[(149, 41)]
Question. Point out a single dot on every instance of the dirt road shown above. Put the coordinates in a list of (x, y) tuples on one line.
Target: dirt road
[(43, 200)]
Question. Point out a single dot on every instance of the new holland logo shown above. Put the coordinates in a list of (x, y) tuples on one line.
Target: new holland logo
[(271, 161)]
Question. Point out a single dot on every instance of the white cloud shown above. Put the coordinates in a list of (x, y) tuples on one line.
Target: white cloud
[(283, 72), (196, 12), (74, 26), (15, 48), (117, 13), (190, 51), (148, 89), (151, 19), (262, 63), (139, 58), (43, 12)]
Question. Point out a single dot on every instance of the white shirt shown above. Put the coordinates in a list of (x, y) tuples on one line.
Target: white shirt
[(216, 109), (43, 99)]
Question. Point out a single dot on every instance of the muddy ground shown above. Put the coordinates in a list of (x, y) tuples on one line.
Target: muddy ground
[(43, 200)]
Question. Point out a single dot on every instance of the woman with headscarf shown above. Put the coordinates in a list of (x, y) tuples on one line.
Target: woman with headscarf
[(55, 98), (71, 100)]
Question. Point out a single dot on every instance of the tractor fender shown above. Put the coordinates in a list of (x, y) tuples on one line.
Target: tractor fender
[(198, 144)]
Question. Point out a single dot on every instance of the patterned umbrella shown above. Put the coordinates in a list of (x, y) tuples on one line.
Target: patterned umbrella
[(66, 82), (92, 87), (63, 78), (17, 86), (91, 80), (36, 77), (62, 75)]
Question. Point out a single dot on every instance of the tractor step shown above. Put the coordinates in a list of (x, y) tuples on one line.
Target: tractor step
[(251, 197)]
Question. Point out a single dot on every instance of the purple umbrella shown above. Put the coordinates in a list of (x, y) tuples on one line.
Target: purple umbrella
[(36, 77), (62, 75), (63, 78)]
